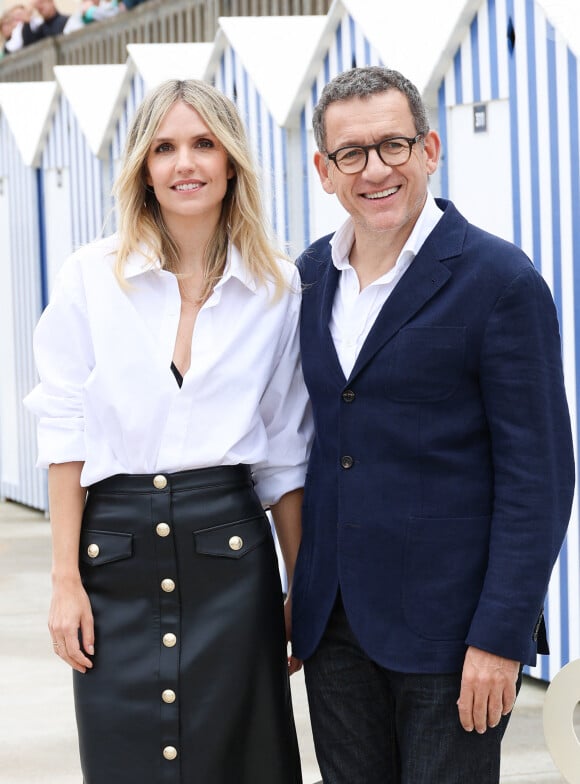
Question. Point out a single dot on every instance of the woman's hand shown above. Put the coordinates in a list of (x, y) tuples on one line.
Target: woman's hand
[(70, 622), (70, 609)]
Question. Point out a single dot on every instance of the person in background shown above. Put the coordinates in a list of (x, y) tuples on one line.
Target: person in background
[(92, 11), (12, 22), (6, 29), (441, 476), (53, 22), (132, 3), (172, 413)]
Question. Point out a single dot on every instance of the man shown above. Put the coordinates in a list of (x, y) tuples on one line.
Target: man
[(53, 22), (441, 477)]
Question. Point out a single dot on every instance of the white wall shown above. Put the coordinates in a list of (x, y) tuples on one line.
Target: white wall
[(479, 167), (57, 208)]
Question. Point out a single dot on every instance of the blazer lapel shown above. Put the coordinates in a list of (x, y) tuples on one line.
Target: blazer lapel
[(329, 349), (419, 284)]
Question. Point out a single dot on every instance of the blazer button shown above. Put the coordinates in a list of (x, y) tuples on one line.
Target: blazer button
[(348, 396), (168, 696), (168, 585), (347, 461), (170, 752)]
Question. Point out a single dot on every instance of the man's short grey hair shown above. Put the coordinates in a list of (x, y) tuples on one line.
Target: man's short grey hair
[(362, 83)]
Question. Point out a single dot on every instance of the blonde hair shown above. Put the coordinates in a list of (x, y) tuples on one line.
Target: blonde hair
[(242, 220)]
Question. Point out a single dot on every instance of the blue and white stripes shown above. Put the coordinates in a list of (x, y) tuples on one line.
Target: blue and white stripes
[(267, 137), (349, 48), (513, 52), (20, 304)]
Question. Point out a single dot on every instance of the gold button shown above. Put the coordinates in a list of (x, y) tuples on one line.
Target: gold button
[(168, 585), (170, 752), (160, 482), (236, 543), (168, 696), (169, 640), (93, 550), (163, 529)]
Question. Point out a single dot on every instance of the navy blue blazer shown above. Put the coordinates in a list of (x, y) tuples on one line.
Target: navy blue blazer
[(441, 477)]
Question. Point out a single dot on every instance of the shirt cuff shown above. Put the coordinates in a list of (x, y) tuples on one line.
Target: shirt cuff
[(272, 483), (60, 442)]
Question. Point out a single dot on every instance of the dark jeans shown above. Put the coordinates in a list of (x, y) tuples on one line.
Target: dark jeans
[(375, 726)]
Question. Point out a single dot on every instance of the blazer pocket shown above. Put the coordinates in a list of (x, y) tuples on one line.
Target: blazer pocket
[(426, 363), (232, 540), (445, 563), (102, 547)]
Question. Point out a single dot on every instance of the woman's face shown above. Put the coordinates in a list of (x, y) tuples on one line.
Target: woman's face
[(187, 168)]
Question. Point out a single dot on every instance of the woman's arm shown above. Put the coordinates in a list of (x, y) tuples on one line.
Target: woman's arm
[(287, 514), (70, 609)]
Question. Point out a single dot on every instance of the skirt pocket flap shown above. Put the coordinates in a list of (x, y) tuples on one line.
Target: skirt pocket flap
[(233, 540), (102, 547)]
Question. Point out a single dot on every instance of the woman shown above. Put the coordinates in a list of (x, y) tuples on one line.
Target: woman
[(170, 385)]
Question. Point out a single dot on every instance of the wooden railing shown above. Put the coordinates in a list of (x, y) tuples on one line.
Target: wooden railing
[(155, 21)]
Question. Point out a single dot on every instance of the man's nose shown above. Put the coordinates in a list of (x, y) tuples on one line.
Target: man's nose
[(375, 164)]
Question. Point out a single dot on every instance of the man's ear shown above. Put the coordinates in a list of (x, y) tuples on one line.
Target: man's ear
[(432, 145), (322, 165)]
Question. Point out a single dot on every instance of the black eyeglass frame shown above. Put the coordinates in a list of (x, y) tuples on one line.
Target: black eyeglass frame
[(411, 141)]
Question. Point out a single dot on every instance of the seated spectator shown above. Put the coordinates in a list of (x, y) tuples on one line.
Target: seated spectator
[(16, 17), (92, 11), (6, 28), (52, 23)]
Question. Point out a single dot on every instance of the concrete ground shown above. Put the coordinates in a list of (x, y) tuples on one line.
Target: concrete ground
[(37, 730)]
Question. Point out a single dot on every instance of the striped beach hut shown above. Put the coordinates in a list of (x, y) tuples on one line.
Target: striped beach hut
[(508, 95), (25, 109), (76, 165), (255, 62)]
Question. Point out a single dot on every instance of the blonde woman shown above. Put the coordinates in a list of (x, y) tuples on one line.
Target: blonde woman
[(172, 411)]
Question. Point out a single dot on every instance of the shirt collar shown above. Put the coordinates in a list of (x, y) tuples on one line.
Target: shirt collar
[(428, 218), (139, 262)]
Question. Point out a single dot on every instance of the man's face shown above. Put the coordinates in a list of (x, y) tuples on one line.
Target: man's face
[(381, 199), (45, 8)]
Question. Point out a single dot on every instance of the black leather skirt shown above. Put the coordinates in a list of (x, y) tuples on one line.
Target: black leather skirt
[(190, 682)]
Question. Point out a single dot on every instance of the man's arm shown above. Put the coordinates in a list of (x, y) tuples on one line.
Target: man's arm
[(523, 392)]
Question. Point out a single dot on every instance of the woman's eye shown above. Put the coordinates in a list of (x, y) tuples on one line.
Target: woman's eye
[(205, 144), (163, 147)]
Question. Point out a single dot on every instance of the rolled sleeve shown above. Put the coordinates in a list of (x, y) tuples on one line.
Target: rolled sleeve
[(63, 354)]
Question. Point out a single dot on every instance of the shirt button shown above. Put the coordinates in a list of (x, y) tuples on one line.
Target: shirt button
[(168, 585), (348, 395), (169, 640), (236, 543), (170, 752), (93, 550), (168, 696), (347, 461), (160, 482), (162, 529)]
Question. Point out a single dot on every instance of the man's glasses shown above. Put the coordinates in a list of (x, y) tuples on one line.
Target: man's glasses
[(393, 152)]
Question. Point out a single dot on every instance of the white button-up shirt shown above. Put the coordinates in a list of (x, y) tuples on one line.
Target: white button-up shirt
[(107, 395), (354, 311)]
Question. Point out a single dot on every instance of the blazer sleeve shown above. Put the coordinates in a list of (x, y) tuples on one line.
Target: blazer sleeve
[(523, 391)]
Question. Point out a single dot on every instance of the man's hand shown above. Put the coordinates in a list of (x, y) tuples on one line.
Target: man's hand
[(488, 689)]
